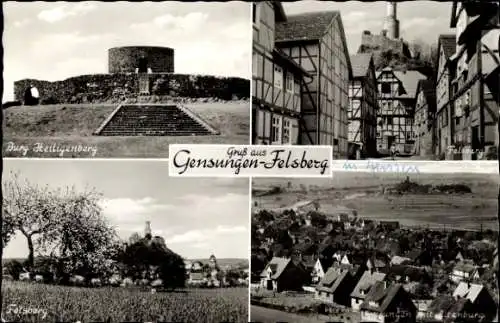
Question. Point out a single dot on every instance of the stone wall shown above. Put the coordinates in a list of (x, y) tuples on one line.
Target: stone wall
[(103, 88), (126, 59)]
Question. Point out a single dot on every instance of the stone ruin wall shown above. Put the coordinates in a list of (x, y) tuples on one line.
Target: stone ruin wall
[(382, 43), (114, 88)]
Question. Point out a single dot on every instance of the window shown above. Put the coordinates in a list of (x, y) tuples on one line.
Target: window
[(287, 131), (255, 64), (386, 88), (409, 121), (278, 77), (389, 120), (276, 130), (289, 82)]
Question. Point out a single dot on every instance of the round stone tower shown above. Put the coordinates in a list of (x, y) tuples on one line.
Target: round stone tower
[(142, 59), (391, 22)]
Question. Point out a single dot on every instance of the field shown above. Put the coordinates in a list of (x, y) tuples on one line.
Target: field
[(71, 304), (360, 191), (69, 125), (267, 315)]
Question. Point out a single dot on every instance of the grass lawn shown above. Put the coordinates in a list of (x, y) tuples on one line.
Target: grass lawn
[(69, 125), (360, 191), (71, 304)]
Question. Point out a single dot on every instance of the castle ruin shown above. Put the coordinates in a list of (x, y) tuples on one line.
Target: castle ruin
[(389, 37)]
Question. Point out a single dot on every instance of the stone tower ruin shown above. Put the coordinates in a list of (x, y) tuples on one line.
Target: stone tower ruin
[(391, 22)]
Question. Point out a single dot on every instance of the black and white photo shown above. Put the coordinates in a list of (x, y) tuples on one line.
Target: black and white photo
[(375, 247), (121, 241), (123, 79), (412, 80)]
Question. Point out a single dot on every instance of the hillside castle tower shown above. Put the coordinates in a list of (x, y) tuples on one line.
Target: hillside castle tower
[(391, 22)]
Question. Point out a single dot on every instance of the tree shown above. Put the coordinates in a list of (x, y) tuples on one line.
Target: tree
[(82, 240), (30, 209), (155, 260)]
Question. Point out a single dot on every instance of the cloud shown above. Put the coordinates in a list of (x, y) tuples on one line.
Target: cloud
[(203, 236), (21, 23), (131, 210), (190, 22), (62, 12)]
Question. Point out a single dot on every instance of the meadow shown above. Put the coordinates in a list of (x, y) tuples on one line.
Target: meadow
[(73, 124), (29, 302), (361, 191)]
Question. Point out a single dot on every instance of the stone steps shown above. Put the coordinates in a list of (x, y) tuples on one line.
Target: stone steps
[(153, 120)]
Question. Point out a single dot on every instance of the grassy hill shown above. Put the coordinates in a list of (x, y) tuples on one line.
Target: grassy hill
[(70, 125)]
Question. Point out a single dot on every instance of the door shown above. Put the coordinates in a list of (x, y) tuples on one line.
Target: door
[(143, 65), (269, 284), (390, 141)]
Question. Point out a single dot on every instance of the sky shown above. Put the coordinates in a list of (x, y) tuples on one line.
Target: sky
[(56, 40), (418, 20), (196, 217)]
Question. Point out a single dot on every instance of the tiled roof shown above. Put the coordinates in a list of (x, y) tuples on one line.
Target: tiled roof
[(366, 281), (332, 279), (381, 295), (469, 291), (306, 26), (360, 64), (277, 265), (449, 44)]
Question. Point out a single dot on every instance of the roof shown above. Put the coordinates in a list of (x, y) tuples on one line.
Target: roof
[(397, 260), (465, 267), (409, 80), (449, 44), (332, 279), (306, 26), (196, 276), (326, 263), (381, 295), (360, 64), (367, 280), (443, 303), (310, 26), (277, 265), (469, 291)]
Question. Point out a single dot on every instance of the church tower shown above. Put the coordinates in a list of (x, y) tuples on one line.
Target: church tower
[(147, 230), (391, 22)]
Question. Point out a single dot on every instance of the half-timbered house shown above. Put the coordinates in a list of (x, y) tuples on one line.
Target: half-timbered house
[(425, 109), (276, 79), (396, 96), (316, 41), (444, 106), (475, 86), (363, 106)]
